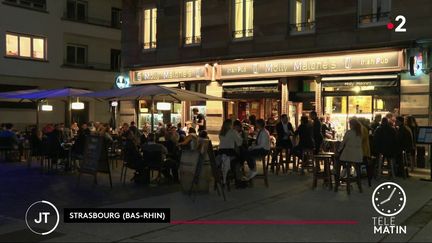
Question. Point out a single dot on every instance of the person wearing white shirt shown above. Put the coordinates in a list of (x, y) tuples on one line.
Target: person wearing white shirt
[(259, 149), (229, 139)]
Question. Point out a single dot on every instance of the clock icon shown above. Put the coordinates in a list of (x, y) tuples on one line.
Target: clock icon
[(389, 199)]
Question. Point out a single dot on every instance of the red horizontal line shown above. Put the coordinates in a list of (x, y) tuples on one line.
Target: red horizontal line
[(281, 222)]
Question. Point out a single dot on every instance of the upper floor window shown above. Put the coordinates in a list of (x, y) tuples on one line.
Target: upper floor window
[(149, 28), (76, 54), (243, 18), (116, 17), (115, 60), (373, 12), (76, 10), (302, 16), (192, 22), (33, 4), (25, 46)]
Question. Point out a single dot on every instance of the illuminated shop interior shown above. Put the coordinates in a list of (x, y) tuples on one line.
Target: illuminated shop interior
[(363, 99)]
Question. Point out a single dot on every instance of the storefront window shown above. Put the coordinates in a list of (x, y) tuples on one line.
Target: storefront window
[(360, 104)]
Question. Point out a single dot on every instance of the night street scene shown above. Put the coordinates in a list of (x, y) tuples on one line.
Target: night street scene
[(215, 121)]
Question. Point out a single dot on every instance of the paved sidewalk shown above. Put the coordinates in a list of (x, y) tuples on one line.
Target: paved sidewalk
[(289, 197)]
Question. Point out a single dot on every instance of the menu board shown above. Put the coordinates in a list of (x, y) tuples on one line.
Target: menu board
[(424, 135), (95, 156)]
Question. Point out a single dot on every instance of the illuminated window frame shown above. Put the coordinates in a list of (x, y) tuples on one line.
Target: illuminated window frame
[(300, 24), (149, 28), (194, 37), (246, 20), (32, 48)]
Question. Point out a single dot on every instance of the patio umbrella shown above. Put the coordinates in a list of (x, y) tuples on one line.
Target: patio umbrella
[(6, 95), (154, 92), (37, 96)]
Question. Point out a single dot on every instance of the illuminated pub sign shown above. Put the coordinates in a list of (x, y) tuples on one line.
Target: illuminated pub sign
[(170, 74), (321, 65)]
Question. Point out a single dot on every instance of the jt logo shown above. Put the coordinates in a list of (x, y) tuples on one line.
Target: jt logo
[(44, 215)]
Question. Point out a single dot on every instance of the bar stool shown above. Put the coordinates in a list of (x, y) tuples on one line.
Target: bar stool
[(389, 166), (275, 161), (265, 159), (327, 159), (348, 178), (307, 160)]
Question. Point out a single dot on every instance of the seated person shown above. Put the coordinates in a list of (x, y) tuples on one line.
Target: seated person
[(259, 149), (78, 146), (191, 140), (156, 148), (10, 136), (181, 133), (132, 155)]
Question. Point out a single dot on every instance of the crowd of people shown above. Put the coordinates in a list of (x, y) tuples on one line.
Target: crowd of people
[(240, 141)]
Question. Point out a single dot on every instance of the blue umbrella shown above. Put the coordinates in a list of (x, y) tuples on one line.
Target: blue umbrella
[(6, 95), (50, 94), (38, 95)]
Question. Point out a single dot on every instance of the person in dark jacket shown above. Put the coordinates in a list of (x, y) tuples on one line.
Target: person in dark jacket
[(317, 133), (305, 133), (384, 140), (284, 130), (405, 142)]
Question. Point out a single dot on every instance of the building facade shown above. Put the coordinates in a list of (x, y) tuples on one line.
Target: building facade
[(48, 44), (342, 58)]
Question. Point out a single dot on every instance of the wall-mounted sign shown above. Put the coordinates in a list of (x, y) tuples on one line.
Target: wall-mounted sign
[(380, 83), (185, 73), (122, 81), (321, 65)]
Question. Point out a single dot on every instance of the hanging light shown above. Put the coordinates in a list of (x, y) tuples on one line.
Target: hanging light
[(163, 106), (46, 107), (77, 105), (114, 103)]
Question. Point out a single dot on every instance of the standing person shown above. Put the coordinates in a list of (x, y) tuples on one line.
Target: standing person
[(376, 122), (199, 120), (284, 130), (229, 140), (317, 135), (351, 148), (74, 129), (384, 140), (259, 149), (305, 133), (405, 142)]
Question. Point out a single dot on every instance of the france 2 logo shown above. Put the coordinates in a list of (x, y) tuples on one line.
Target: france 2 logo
[(400, 27)]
